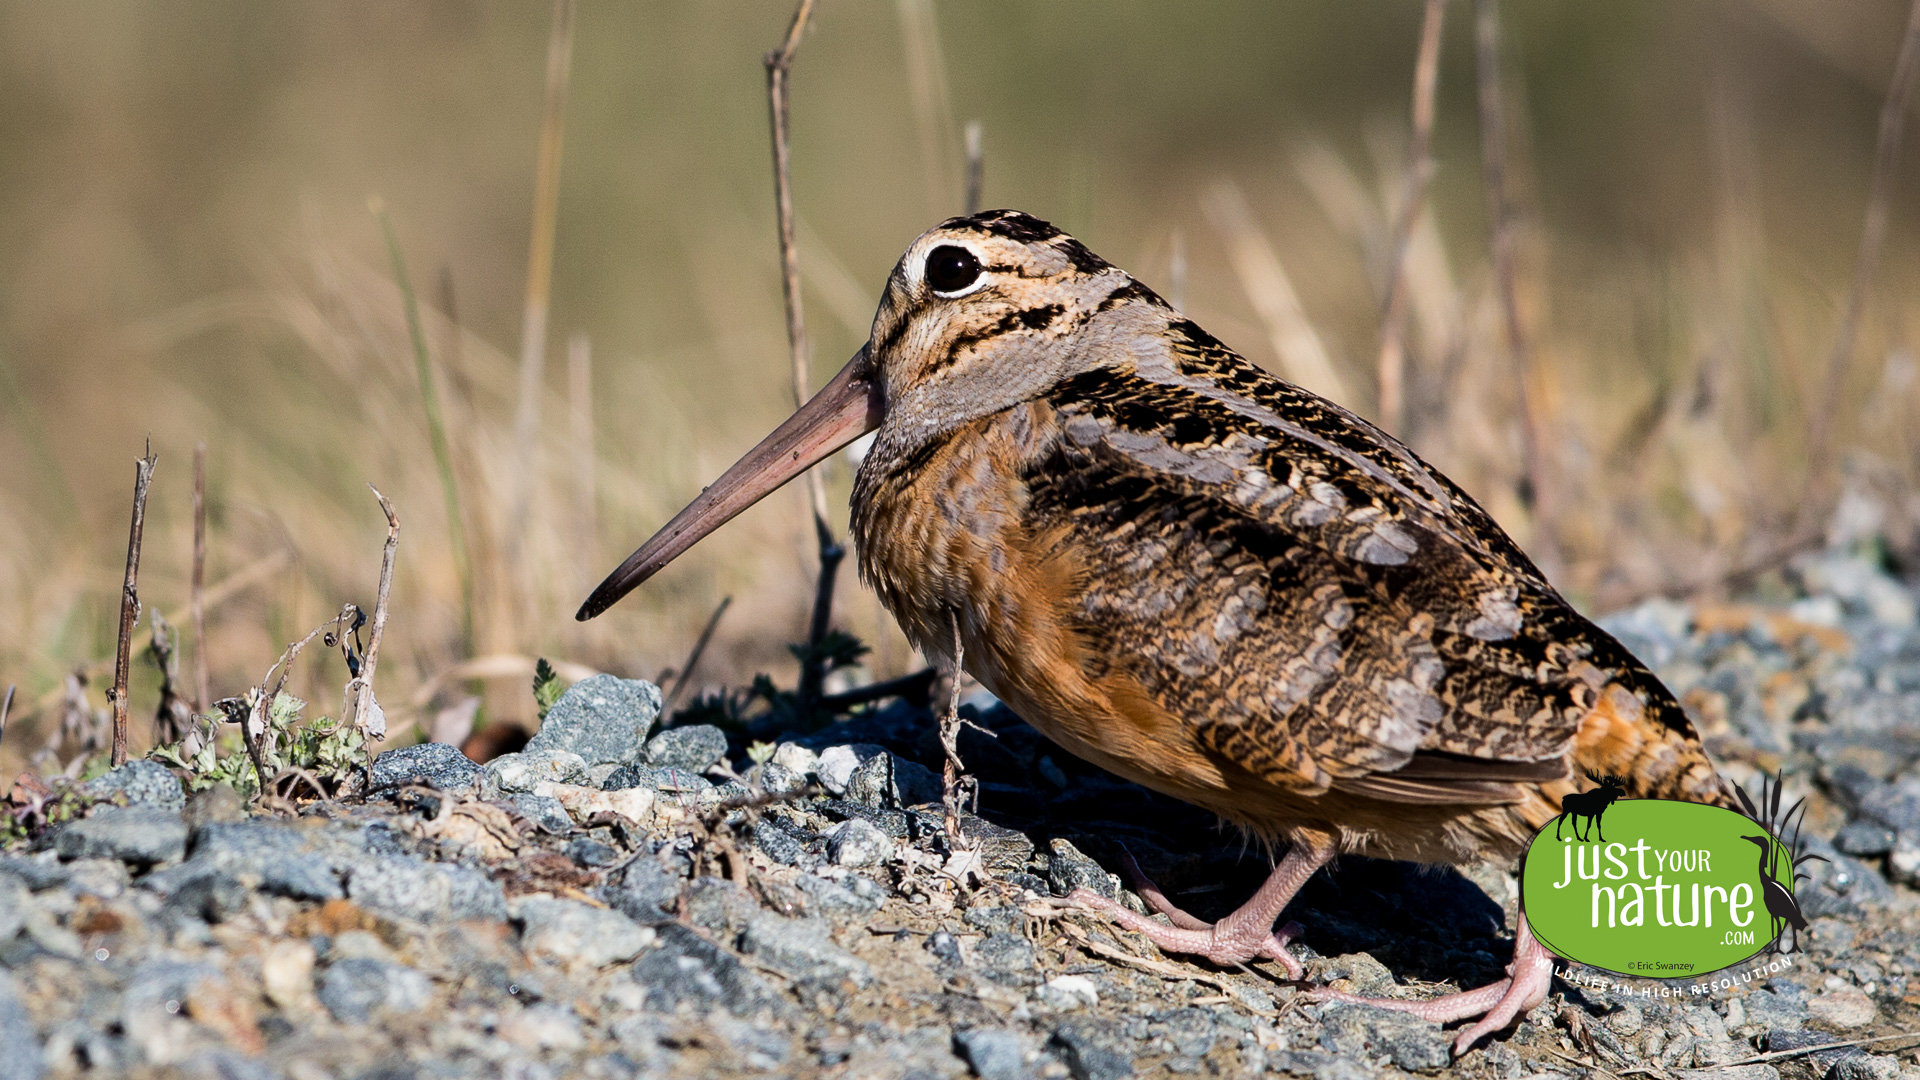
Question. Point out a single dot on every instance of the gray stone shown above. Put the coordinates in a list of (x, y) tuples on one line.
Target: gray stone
[(1895, 805), (1768, 1009), (142, 835), (603, 719), (13, 906), (104, 879), (282, 858), (695, 748), (720, 906), (645, 891), (858, 842), (532, 767), (1780, 1040), (217, 805), (437, 765), (803, 948), (544, 811), (357, 988), (210, 897), (19, 1045), (835, 901), (837, 764), (1008, 959), (585, 851), (1090, 1051), (1864, 1066), (1864, 838), (1192, 1031), (783, 843), (1414, 1044), (992, 1053), (1068, 869), (685, 968), (630, 776), (403, 887), (576, 933), (158, 1001), (1004, 919), (38, 873), (776, 779), (139, 781), (887, 781)]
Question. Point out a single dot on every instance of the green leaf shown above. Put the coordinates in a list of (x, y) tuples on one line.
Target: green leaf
[(546, 686)]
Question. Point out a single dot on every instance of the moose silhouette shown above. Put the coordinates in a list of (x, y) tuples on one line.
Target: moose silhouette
[(1589, 805)]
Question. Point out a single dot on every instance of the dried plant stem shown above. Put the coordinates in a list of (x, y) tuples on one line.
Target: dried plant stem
[(130, 605), (6, 706), (1873, 234), (976, 165), (202, 683), (580, 432), (681, 680), (813, 672), (1493, 151), (952, 777), (915, 689), (533, 325), (365, 697), (1393, 324), (436, 422)]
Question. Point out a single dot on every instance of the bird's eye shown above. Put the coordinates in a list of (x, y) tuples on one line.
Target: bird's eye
[(951, 268)]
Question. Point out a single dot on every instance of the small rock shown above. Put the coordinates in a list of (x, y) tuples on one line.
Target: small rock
[(1843, 1007), (544, 811), (286, 973), (402, 887), (527, 770), (784, 843), (992, 1053), (354, 989), (1903, 860), (588, 852), (139, 781), (888, 781), (944, 947), (802, 948), (1895, 805), (837, 764), (836, 901), (1864, 838), (776, 779), (437, 765), (798, 760), (1068, 869), (104, 879), (627, 777), (719, 905), (1004, 919), (276, 857), (685, 968), (645, 891), (19, 1046), (1007, 959), (218, 805), (160, 997), (1192, 1031), (13, 906), (1090, 1051), (542, 1027), (695, 748), (142, 835), (576, 933), (1068, 992), (1363, 974), (603, 719), (1768, 1009), (857, 842)]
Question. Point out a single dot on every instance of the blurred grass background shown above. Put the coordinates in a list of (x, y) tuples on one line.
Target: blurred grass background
[(186, 254)]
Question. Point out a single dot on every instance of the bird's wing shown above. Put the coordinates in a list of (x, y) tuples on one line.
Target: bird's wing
[(1323, 609)]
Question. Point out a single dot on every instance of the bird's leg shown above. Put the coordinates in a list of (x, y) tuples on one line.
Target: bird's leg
[(1497, 1004), (1245, 935)]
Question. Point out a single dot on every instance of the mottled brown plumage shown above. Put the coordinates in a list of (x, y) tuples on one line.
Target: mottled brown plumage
[(1212, 582)]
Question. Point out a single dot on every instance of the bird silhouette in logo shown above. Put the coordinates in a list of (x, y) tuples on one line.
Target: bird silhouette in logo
[(1781, 906), (1589, 805)]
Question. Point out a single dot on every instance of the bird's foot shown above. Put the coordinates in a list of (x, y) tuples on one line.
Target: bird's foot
[(1497, 1004), (1243, 936)]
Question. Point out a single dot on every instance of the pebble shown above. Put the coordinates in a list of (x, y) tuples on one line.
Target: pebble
[(13, 906), (19, 1045), (142, 834), (1008, 959), (1895, 805), (839, 902), (803, 948), (644, 891), (884, 780), (1843, 1007), (354, 989), (858, 842), (545, 811), (695, 748), (1069, 992), (797, 759), (1068, 869), (628, 777), (437, 765), (571, 932), (403, 887), (992, 1053), (837, 764), (603, 719), (1090, 1051), (141, 781), (684, 968), (1864, 838), (527, 770)]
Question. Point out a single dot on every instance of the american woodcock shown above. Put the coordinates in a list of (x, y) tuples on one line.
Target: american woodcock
[(1209, 581)]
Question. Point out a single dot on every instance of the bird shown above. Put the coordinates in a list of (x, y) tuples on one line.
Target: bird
[(1781, 906), (1210, 581)]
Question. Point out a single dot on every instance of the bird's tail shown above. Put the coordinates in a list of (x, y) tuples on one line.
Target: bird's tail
[(1639, 732)]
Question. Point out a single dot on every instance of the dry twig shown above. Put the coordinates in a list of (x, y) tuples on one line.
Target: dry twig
[(1393, 352), (202, 682), (6, 706), (1538, 493), (365, 712), (1873, 233), (130, 605), (953, 781), (681, 680)]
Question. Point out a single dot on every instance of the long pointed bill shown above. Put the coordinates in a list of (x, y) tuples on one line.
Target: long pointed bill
[(845, 409)]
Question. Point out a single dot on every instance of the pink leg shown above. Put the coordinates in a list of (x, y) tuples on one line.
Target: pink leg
[(1245, 935), (1497, 1004)]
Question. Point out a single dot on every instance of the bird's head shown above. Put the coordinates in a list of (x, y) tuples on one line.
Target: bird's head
[(1764, 842), (982, 312)]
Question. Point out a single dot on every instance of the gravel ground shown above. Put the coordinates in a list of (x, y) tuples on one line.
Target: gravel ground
[(587, 908)]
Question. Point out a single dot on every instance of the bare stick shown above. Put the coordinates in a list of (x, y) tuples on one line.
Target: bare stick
[(1393, 352), (952, 788), (681, 680), (976, 166), (130, 605), (914, 689), (202, 693), (533, 326), (372, 662), (6, 706), (813, 673), (1493, 150), (1873, 233), (580, 402), (779, 64)]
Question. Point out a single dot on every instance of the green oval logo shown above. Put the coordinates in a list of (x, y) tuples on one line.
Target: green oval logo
[(1653, 888)]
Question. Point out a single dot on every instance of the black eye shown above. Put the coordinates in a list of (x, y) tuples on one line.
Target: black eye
[(950, 268)]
